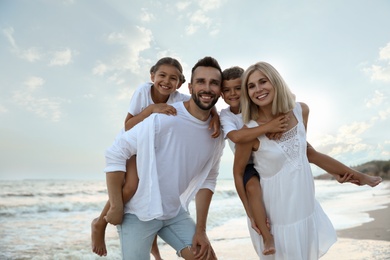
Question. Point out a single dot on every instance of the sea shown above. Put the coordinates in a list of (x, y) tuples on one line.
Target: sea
[(51, 219)]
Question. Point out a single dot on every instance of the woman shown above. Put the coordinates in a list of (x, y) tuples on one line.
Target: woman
[(300, 228)]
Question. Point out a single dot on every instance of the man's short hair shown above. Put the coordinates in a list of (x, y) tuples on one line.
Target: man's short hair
[(207, 62)]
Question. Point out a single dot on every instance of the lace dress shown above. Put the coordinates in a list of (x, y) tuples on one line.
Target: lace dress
[(300, 227)]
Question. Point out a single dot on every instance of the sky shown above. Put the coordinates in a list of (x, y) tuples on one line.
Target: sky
[(69, 67)]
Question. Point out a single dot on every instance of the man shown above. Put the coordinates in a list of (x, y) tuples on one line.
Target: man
[(177, 160)]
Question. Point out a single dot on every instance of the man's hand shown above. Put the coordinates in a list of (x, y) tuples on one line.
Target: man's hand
[(201, 247), (114, 215)]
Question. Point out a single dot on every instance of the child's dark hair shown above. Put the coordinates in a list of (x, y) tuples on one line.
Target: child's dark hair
[(168, 61), (232, 73), (206, 62)]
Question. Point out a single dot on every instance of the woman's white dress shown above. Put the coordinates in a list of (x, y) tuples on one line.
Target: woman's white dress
[(300, 227)]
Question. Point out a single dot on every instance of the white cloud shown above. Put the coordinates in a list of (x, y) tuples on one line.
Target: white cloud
[(352, 130), (100, 69), (125, 93), (3, 109), (385, 153), (347, 140), (350, 148), (146, 16), (381, 70), (191, 29), (379, 73), (8, 33), (34, 82), (61, 58), (198, 19), (214, 32), (44, 107), (384, 53), (376, 100), (201, 18), (30, 54), (183, 5), (88, 96), (132, 43), (116, 78), (384, 114), (208, 5)]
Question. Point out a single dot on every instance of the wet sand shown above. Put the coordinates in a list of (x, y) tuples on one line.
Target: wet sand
[(368, 241)]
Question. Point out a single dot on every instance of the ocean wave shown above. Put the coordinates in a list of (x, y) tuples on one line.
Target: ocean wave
[(224, 194), (51, 194), (46, 208)]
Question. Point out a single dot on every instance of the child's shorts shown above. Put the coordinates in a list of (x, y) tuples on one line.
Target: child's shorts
[(249, 173)]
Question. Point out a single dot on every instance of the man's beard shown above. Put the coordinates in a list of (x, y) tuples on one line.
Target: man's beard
[(200, 104)]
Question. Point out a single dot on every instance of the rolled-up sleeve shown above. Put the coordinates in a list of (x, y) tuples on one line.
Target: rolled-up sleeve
[(211, 180), (121, 150)]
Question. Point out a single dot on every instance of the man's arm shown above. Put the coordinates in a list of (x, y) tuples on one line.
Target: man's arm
[(116, 156), (114, 182), (201, 246)]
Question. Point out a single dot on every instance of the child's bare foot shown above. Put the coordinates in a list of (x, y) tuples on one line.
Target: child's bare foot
[(365, 179), (97, 236), (269, 246)]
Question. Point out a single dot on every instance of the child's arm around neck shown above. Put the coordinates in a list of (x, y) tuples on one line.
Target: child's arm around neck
[(246, 134)]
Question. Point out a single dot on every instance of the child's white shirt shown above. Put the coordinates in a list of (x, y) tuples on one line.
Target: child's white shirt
[(142, 98), (230, 122)]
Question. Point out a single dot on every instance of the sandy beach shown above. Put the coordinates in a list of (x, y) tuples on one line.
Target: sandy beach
[(368, 241), (54, 211)]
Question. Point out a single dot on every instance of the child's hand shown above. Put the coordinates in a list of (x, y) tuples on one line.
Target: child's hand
[(276, 127), (278, 124), (216, 125), (347, 177), (256, 228), (164, 108), (274, 136)]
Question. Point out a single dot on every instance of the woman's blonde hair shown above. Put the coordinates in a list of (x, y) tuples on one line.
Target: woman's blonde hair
[(284, 99)]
